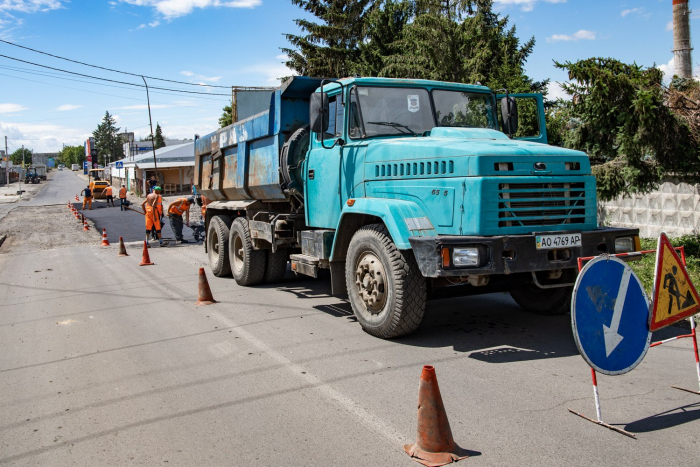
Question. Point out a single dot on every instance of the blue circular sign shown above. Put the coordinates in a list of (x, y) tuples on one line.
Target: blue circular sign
[(610, 316)]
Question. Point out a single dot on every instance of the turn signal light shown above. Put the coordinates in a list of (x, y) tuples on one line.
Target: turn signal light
[(350, 202), (445, 257)]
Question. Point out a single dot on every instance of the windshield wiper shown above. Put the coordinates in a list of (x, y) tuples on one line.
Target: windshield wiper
[(395, 125)]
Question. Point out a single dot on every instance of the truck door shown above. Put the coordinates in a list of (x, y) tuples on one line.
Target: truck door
[(323, 172), (531, 119)]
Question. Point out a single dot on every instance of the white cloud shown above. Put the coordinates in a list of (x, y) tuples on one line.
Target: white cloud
[(11, 108), (669, 26), (201, 79), (175, 8), (187, 73), (555, 91), (42, 137), (65, 107), (29, 6), (141, 26), (154, 23), (581, 34), (273, 71), (525, 5), (668, 69), (640, 12)]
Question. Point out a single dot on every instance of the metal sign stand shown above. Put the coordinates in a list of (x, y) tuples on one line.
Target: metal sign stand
[(598, 411), (692, 334)]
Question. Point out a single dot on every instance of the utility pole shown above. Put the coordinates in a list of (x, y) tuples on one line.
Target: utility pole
[(150, 121), (682, 58), (7, 164), (20, 178)]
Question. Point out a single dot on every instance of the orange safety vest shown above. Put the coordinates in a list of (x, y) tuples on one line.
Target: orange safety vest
[(122, 192), (108, 191), (179, 206), (159, 205)]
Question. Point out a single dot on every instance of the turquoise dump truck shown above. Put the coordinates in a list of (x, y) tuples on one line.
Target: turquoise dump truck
[(404, 190)]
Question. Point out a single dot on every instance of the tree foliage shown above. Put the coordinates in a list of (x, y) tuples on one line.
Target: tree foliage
[(620, 117), (21, 155), (159, 139), (107, 143), (72, 155), (226, 117)]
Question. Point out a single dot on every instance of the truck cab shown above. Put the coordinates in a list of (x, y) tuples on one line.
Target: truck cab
[(403, 188)]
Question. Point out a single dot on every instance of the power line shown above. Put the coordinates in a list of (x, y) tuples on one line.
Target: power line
[(111, 80), (49, 74), (113, 70)]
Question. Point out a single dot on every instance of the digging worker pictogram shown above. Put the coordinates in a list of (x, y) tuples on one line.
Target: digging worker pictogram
[(87, 197), (150, 207), (672, 285), (175, 211)]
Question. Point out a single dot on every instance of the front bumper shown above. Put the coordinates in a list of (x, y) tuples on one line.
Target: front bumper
[(515, 253)]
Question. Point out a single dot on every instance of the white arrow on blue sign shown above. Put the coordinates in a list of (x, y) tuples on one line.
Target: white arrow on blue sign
[(610, 316)]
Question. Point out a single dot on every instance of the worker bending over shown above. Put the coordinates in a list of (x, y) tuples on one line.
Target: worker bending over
[(175, 210), (122, 198), (87, 197), (150, 207), (108, 194)]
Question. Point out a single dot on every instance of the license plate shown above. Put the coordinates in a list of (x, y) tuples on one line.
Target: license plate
[(548, 242)]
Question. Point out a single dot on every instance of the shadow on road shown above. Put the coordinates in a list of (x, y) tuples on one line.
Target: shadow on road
[(668, 419), (492, 328)]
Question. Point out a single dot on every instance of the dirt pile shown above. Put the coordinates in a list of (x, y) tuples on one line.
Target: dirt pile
[(30, 229)]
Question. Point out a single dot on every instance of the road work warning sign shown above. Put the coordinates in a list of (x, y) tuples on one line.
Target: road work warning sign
[(675, 297)]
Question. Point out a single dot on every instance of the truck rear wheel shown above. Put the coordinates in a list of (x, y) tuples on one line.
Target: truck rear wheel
[(547, 302), (276, 267), (386, 290), (247, 264), (217, 247)]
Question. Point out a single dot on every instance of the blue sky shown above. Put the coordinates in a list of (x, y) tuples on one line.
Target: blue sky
[(225, 42)]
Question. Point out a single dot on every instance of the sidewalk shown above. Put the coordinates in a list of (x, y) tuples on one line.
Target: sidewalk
[(8, 194)]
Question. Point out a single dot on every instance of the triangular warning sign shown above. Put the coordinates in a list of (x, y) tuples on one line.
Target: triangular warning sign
[(675, 297)]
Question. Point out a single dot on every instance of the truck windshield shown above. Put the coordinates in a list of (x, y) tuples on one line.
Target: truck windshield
[(395, 111), (464, 109)]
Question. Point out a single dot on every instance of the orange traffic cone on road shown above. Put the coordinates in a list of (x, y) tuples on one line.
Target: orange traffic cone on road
[(77, 216), (85, 224), (122, 248), (434, 444), (145, 259), (204, 296), (105, 242), (77, 198)]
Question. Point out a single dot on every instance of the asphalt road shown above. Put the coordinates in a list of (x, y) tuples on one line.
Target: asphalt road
[(103, 362)]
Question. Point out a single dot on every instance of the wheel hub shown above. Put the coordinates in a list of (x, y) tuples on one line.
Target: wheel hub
[(369, 279)]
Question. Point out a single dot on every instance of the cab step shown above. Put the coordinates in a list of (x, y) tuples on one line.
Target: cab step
[(305, 264)]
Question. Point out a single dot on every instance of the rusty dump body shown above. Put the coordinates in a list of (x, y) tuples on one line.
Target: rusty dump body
[(241, 161)]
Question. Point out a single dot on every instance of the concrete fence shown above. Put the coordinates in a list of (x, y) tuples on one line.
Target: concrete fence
[(673, 208)]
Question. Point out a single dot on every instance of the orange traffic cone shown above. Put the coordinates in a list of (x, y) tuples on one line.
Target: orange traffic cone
[(205, 297), (85, 224), (122, 248), (145, 259), (105, 242), (77, 198), (77, 216), (434, 444)]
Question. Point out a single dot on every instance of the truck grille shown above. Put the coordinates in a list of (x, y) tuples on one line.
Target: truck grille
[(531, 204)]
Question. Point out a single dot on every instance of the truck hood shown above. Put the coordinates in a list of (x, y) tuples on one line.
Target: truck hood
[(478, 152)]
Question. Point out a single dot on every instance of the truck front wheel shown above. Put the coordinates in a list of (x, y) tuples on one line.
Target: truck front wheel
[(247, 264), (532, 299), (217, 247), (385, 287)]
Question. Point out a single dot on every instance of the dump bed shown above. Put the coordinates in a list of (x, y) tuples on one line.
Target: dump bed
[(241, 161)]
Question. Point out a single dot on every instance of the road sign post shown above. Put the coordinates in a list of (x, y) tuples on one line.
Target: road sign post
[(610, 322)]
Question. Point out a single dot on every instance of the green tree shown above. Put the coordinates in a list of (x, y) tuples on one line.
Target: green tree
[(159, 139), (329, 47), (107, 143), (619, 117), (72, 155), (226, 117), (17, 157)]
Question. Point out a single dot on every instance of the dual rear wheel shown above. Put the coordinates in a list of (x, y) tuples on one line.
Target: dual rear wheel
[(230, 251)]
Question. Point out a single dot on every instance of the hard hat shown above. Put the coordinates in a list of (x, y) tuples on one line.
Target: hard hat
[(156, 188)]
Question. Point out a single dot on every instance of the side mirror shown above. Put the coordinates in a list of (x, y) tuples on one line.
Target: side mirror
[(509, 113), (318, 112)]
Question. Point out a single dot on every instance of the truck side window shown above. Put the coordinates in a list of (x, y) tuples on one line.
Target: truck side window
[(339, 118), (354, 125), (330, 131)]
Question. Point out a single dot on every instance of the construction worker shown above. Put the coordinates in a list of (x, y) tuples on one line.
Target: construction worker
[(87, 197), (122, 198), (150, 208), (175, 211), (108, 194)]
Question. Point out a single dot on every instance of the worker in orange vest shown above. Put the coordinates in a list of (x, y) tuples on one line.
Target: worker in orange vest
[(122, 198), (87, 197), (108, 194), (175, 211), (150, 208)]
